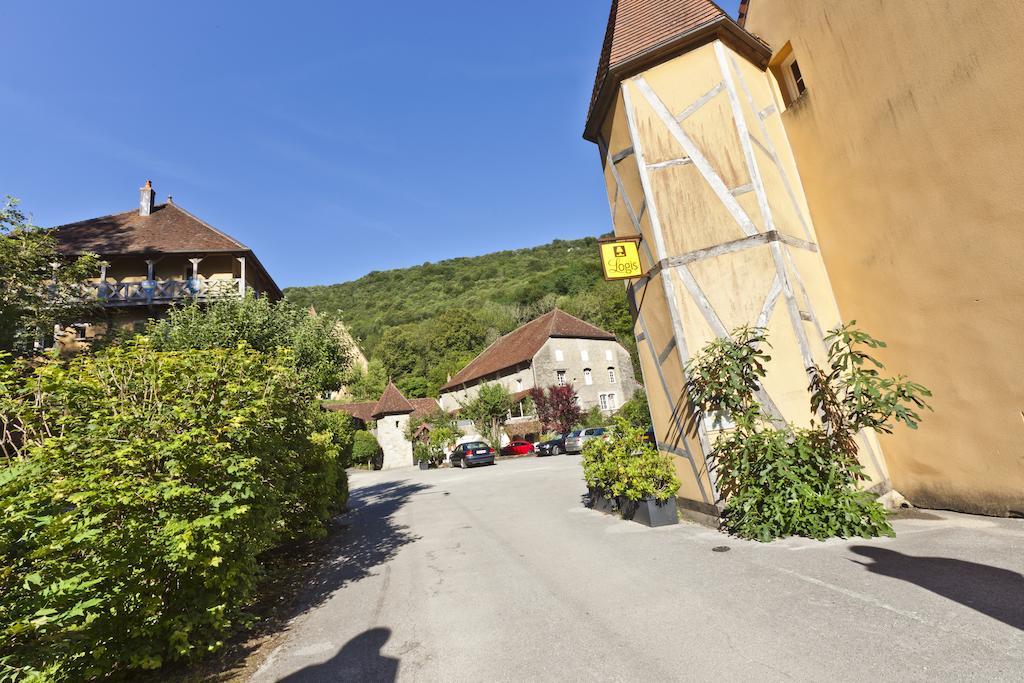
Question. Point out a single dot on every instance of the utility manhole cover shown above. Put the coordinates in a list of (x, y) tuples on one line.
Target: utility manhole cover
[(721, 549)]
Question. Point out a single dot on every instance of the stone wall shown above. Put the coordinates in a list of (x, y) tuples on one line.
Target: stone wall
[(391, 436), (575, 357)]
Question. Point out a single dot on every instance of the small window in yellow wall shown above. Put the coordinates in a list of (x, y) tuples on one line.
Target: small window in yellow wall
[(789, 75)]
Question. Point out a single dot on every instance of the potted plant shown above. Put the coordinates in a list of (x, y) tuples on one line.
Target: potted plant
[(421, 453), (627, 475)]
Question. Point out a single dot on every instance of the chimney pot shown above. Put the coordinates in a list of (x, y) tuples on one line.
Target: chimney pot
[(147, 197)]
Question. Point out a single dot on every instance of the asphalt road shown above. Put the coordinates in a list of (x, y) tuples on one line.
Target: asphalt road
[(500, 574)]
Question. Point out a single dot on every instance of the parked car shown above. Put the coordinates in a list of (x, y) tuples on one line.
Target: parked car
[(472, 453), (576, 440), (517, 447), (555, 446)]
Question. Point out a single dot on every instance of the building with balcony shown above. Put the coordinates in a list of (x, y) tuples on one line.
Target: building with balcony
[(158, 256)]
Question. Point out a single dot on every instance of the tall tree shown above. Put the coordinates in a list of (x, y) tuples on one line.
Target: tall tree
[(489, 411), (38, 287), (557, 408)]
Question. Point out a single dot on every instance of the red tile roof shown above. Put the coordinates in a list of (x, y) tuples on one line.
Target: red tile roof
[(392, 403), (523, 343), (365, 411), (654, 29), (360, 411)]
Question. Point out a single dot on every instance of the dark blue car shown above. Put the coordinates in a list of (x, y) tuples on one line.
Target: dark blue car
[(472, 453)]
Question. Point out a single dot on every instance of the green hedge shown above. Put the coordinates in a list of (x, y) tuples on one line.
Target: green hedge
[(148, 486)]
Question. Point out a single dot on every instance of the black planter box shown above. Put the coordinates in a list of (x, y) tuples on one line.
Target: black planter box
[(424, 465), (648, 511)]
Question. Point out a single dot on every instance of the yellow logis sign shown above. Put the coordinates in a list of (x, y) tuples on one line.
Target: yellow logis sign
[(620, 259)]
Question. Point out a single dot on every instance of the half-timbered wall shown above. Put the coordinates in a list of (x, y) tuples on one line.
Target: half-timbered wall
[(697, 162)]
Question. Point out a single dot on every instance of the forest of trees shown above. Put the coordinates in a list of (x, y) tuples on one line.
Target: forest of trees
[(419, 325)]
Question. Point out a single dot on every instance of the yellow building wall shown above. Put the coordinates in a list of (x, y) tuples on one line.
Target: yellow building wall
[(909, 145), (721, 174)]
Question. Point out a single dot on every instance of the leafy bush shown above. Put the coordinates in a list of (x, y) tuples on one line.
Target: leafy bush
[(33, 295), (145, 487), (636, 411), (628, 466), (319, 349), (365, 448), (557, 407), (779, 480), (342, 430)]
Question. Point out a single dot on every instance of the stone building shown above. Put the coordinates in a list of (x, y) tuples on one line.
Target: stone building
[(388, 419), (554, 349), (157, 256), (820, 162)]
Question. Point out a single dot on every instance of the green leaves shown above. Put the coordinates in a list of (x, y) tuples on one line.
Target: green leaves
[(147, 488), (780, 480), (626, 465)]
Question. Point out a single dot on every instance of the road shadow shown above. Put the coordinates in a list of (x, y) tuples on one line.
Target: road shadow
[(359, 659), (998, 593), (303, 578)]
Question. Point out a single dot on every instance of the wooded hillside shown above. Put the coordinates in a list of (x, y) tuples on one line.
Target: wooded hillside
[(425, 322)]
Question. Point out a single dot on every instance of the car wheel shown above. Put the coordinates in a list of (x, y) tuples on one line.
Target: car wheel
[(463, 464), (556, 451)]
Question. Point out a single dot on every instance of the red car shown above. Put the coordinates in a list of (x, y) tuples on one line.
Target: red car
[(517, 448)]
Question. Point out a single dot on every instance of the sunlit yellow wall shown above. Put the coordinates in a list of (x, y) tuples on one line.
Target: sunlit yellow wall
[(910, 147), (693, 217)]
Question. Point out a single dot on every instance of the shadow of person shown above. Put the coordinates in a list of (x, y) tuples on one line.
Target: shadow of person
[(359, 659), (999, 593)]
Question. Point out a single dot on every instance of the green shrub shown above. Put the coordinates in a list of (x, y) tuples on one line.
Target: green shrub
[(320, 351), (342, 430), (147, 487), (779, 480), (365, 449), (627, 466), (636, 411)]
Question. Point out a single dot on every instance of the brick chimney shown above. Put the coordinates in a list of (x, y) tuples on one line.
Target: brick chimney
[(147, 197)]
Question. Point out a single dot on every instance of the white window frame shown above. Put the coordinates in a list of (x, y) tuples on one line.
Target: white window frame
[(559, 355), (584, 355), (603, 399), (611, 375), (609, 355), (560, 378), (787, 75), (612, 401), (588, 377)]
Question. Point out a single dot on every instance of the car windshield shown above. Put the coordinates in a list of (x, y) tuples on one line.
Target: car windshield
[(597, 432), (572, 435), (475, 444)]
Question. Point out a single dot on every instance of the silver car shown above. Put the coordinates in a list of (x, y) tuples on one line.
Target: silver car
[(576, 440)]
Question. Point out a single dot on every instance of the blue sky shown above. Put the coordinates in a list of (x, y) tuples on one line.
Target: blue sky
[(334, 138)]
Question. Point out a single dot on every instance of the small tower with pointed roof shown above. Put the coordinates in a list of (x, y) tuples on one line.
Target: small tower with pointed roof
[(392, 412)]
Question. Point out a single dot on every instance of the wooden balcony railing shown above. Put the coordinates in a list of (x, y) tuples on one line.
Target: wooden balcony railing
[(162, 291)]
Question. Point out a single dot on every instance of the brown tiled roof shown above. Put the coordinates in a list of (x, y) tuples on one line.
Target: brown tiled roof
[(523, 343), (360, 411), (424, 406), (638, 29), (392, 403), (366, 411), (169, 229)]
